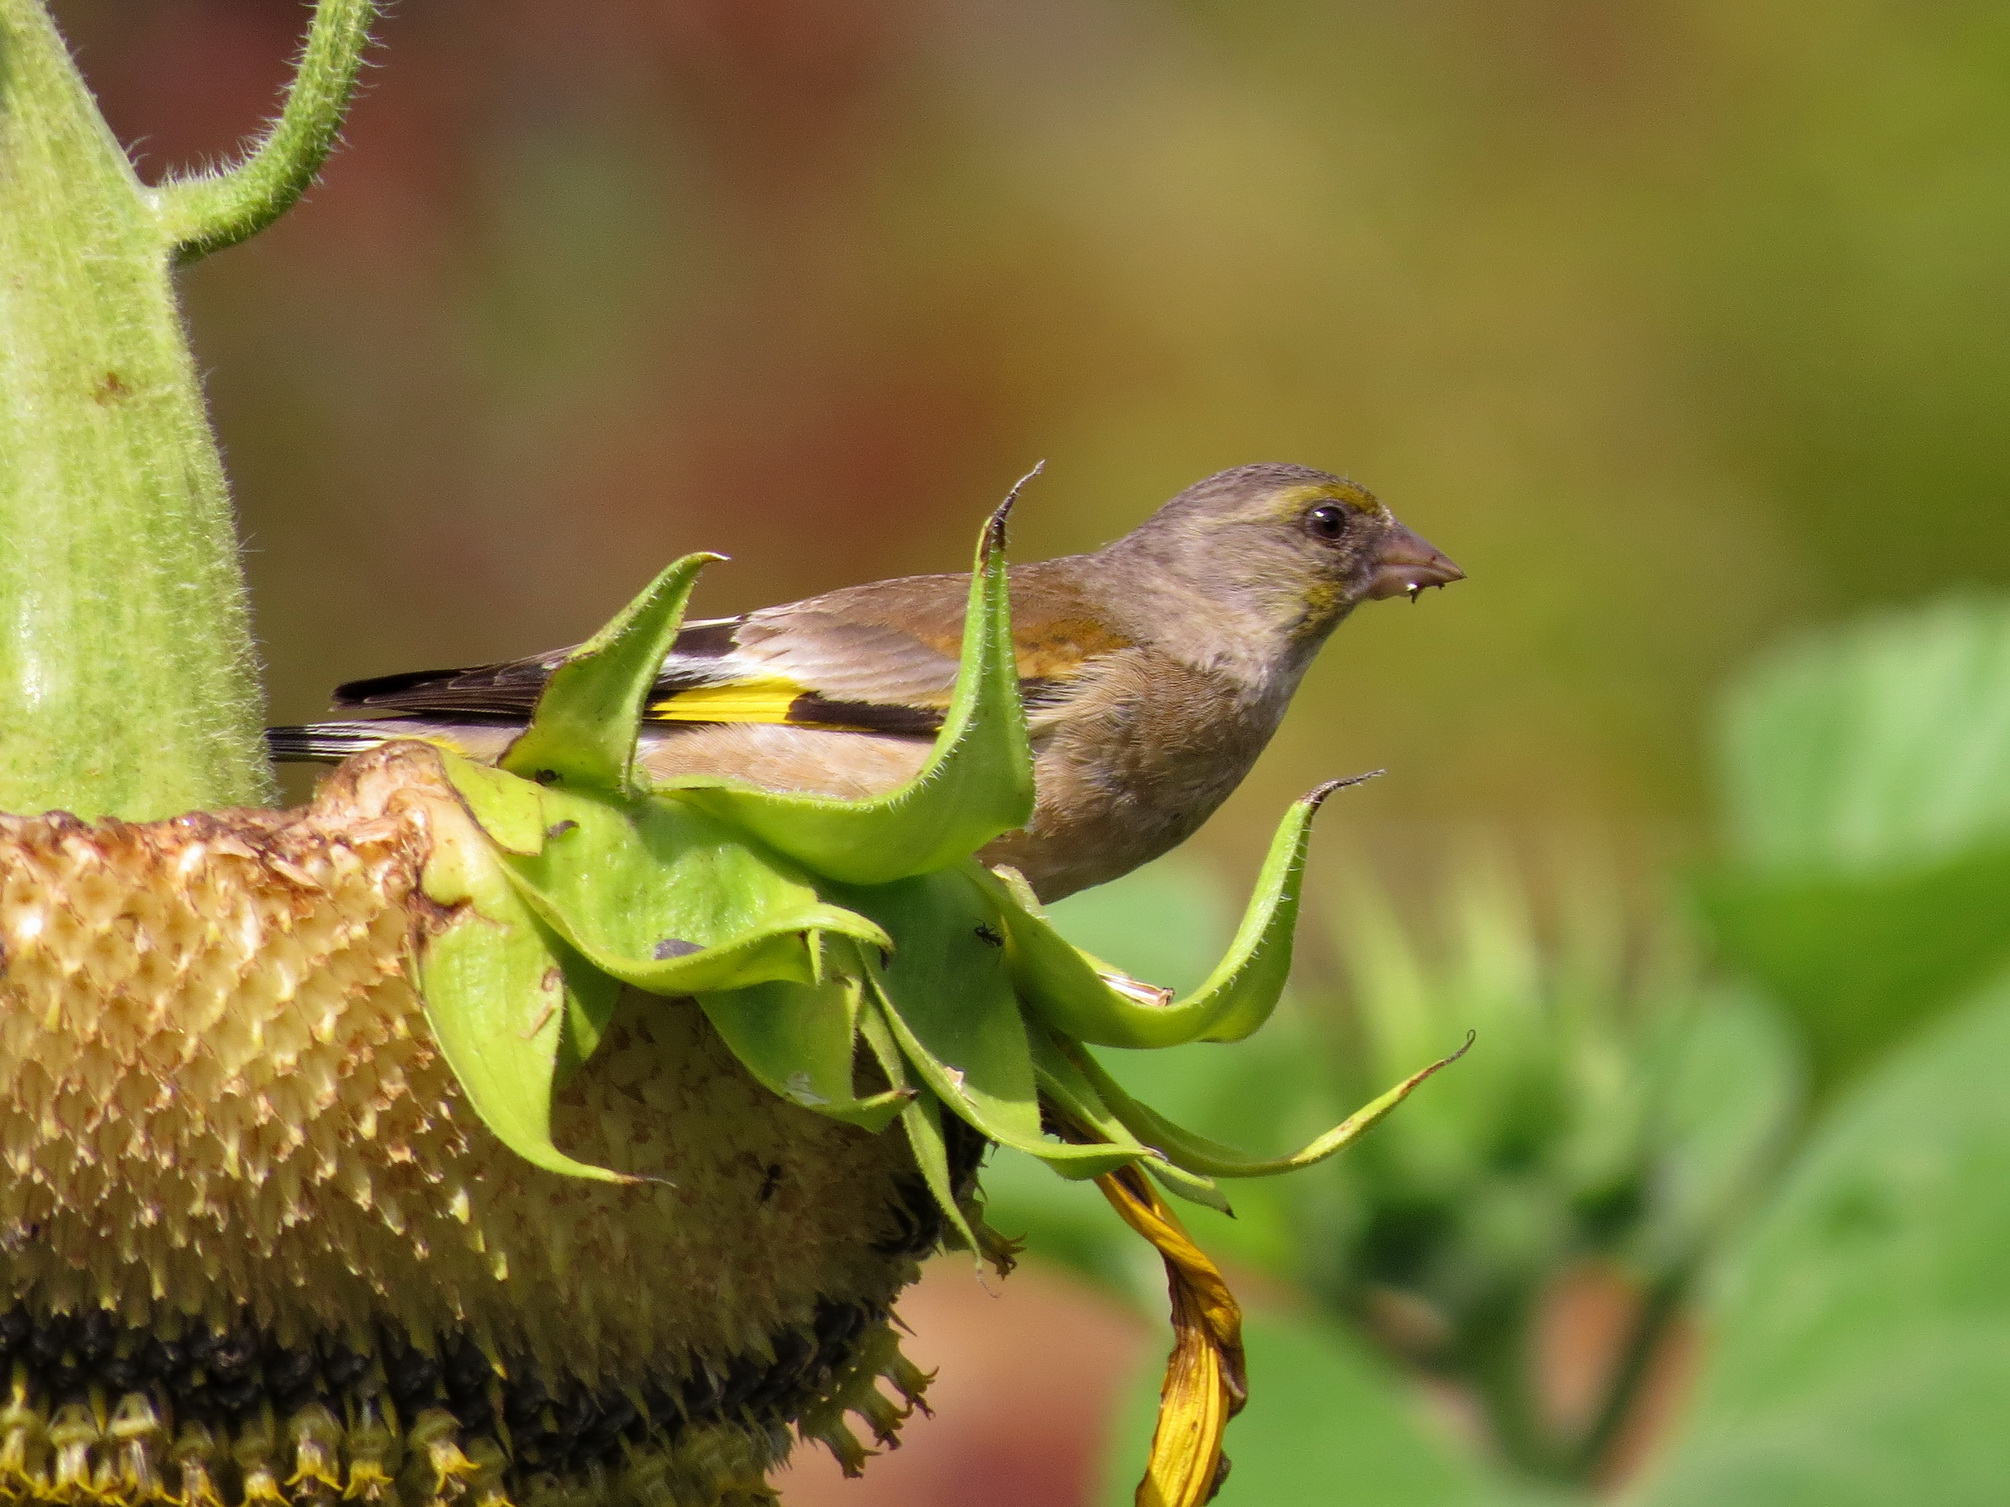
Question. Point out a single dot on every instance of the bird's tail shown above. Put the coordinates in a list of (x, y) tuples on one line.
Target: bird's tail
[(326, 742), (332, 742)]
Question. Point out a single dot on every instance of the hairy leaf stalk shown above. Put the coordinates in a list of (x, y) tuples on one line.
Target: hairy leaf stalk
[(127, 680)]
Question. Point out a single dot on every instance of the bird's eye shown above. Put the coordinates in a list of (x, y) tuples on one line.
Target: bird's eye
[(1327, 521)]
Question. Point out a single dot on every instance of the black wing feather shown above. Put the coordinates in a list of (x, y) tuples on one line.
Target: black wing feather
[(511, 688)]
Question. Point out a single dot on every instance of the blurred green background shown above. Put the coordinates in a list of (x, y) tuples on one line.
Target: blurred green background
[(1674, 322)]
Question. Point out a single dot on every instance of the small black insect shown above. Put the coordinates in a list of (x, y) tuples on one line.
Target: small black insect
[(770, 1181), (989, 935)]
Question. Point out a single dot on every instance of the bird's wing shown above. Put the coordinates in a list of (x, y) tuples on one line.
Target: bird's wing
[(879, 658)]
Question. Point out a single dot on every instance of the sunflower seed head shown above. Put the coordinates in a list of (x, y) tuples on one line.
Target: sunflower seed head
[(255, 1248)]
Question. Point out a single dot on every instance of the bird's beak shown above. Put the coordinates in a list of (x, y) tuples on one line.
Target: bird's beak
[(1405, 565)]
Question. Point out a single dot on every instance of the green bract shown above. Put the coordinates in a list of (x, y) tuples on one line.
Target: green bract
[(854, 955)]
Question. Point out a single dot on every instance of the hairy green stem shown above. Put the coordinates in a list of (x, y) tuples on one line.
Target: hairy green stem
[(209, 211), (127, 681)]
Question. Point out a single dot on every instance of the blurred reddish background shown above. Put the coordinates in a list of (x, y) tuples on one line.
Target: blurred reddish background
[(1578, 288), (1028, 1373)]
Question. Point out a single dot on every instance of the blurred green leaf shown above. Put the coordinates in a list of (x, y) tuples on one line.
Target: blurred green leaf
[(1862, 1332), (1489, 972), (584, 728), (1868, 782), (1724, 1107), (1858, 963), (1882, 747), (1536, 1142)]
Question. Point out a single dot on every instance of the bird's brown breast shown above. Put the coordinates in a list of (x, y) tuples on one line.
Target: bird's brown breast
[(1129, 766)]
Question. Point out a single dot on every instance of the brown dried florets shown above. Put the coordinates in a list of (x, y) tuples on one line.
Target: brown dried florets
[(257, 1247)]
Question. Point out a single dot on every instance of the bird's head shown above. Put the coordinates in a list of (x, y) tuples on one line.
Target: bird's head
[(1287, 546)]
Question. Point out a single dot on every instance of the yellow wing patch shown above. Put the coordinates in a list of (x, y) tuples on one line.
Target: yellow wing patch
[(1046, 651), (741, 701)]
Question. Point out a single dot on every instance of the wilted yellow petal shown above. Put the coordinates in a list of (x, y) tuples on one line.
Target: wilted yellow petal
[(1205, 1384)]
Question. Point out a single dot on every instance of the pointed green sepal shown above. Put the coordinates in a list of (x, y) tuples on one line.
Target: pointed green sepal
[(798, 1039), (590, 998), (951, 1009), (782, 950), (920, 1118), (510, 810), (977, 783), (672, 900), (582, 735), (1079, 999), (1198, 1154), (1071, 1097), (949, 1000), (1012, 1123), (494, 984)]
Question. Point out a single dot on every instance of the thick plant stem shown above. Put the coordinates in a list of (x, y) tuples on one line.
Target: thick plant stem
[(1659, 1306), (1497, 1368), (127, 680), (208, 212)]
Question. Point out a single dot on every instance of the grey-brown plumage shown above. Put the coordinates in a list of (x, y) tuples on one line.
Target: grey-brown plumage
[(1154, 671)]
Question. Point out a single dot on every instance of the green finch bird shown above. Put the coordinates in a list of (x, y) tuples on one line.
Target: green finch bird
[(1154, 671)]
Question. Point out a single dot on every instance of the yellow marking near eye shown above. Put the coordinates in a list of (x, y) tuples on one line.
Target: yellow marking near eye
[(1294, 500), (742, 701), (1321, 599)]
